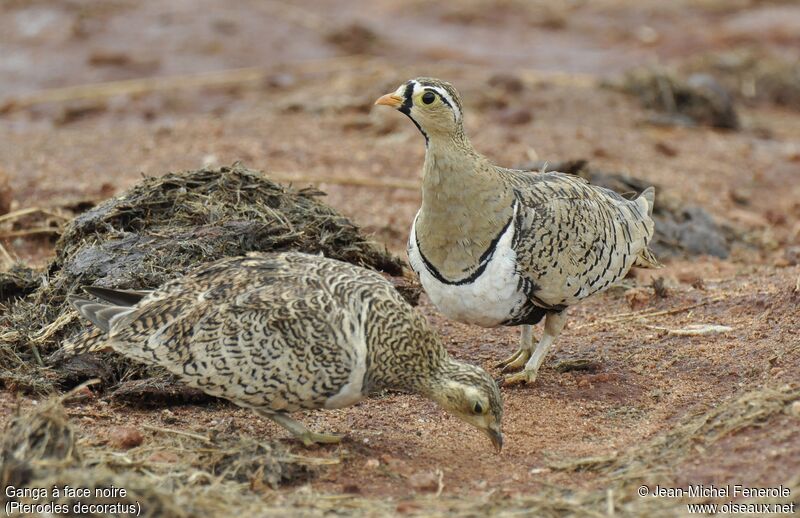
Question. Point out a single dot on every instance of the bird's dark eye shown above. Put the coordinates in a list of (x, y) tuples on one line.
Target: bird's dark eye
[(477, 408), (428, 97)]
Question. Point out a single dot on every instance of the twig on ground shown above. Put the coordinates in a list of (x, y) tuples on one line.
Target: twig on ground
[(30, 210), (622, 317), (30, 232), (177, 432), (53, 328), (389, 183)]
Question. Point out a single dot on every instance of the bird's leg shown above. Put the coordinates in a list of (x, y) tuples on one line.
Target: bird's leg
[(520, 357), (553, 324), (306, 436)]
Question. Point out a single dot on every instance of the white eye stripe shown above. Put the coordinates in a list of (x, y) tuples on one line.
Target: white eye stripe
[(443, 93), (446, 97)]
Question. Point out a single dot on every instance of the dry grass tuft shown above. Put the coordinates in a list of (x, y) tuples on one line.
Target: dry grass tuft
[(206, 476), (36, 442)]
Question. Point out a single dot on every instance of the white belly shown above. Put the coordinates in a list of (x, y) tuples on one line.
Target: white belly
[(488, 300)]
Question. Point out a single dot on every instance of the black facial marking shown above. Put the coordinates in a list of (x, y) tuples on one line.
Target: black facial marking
[(444, 100), (407, 100), (406, 108)]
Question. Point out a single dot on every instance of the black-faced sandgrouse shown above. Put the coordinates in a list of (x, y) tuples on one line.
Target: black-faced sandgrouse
[(504, 247), (283, 332)]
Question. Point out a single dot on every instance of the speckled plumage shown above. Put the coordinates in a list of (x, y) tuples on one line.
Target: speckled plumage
[(496, 246), (283, 332)]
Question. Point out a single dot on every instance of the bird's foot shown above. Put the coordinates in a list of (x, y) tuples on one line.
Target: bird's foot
[(309, 438), (523, 377), (298, 430), (515, 361)]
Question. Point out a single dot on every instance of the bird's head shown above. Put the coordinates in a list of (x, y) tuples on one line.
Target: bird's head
[(469, 393), (434, 105)]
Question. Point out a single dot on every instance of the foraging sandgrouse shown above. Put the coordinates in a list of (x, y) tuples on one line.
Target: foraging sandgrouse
[(283, 332), (495, 246)]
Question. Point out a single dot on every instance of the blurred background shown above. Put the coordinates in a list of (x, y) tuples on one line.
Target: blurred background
[(95, 93)]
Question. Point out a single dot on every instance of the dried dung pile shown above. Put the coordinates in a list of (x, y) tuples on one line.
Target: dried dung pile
[(698, 99), (158, 230), (681, 230), (753, 75), (704, 90)]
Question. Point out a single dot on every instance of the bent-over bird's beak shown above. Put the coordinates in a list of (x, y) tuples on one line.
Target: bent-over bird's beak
[(392, 99), (497, 438)]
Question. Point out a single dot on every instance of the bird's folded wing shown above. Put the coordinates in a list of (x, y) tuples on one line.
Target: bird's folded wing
[(572, 246)]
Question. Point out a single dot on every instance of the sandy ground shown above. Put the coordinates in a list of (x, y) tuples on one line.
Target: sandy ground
[(310, 118)]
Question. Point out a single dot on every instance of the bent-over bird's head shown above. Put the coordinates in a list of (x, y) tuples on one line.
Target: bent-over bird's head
[(434, 105), (469, 393)]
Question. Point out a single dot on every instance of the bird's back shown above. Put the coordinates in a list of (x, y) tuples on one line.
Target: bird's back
[(575, 239), (276, 331)]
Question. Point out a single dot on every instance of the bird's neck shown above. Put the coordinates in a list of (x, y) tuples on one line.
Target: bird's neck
[(450, 161), (465, 204), (414, 359), (443, 382)]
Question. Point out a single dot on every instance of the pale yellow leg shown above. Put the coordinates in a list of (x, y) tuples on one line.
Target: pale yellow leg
[(522, 354), (553, 324), (296, 428)]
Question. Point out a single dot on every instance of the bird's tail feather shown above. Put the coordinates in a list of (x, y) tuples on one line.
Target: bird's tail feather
[(98, 313), (646, 201), (101, 315), (648, 195), (116, 297)]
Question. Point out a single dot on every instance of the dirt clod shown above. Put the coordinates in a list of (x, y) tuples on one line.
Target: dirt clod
[(514, 116), (125, 437), (792, 255), (753, 74), (697, 99), (425, 481), (354, 38), (507, 82), (660, 287)]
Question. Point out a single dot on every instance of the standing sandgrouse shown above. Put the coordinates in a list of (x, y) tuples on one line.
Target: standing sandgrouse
[(282, 332), (495, 246)]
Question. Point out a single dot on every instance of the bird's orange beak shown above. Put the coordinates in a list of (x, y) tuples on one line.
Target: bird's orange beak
[(393, 100)]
